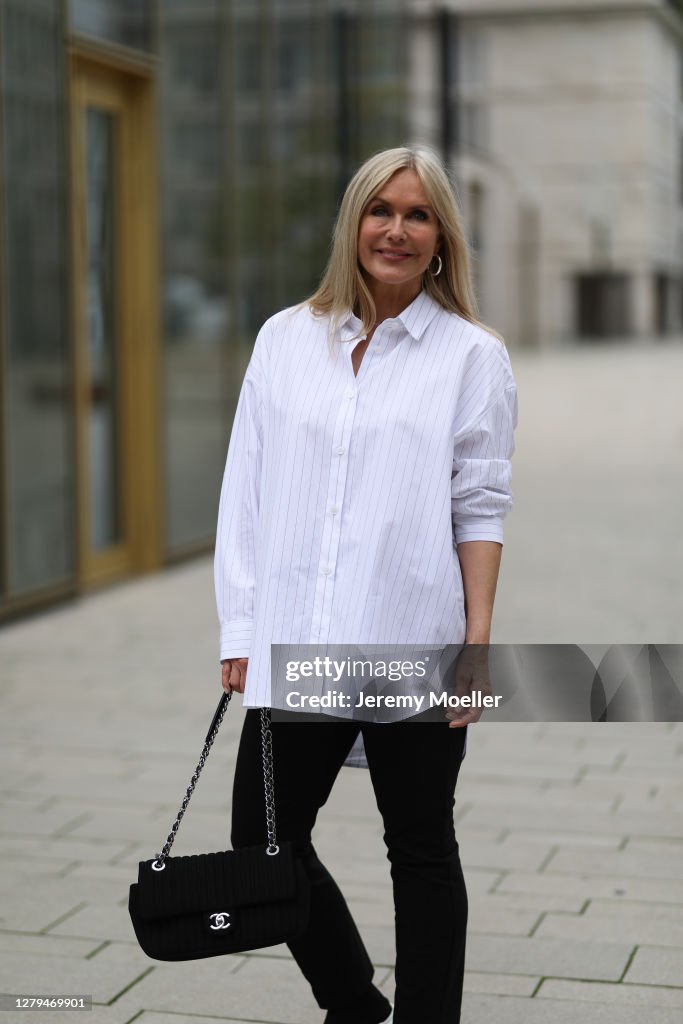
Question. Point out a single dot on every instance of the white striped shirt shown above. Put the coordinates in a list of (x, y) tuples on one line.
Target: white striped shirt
[(344, 497)]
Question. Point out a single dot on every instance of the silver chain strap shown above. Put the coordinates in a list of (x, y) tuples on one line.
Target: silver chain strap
[(268, 779)]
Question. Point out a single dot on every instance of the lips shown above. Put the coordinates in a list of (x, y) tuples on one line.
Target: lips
[(394, 254)]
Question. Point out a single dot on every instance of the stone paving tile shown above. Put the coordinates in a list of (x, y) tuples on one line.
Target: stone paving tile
[(98, 920), (557, 957), (252, 988), (656, 775), (590, 886), (152, 1017), (499, 984), (522, 771), (568, 903), (609, 928), (62, 848), (498, 921), (671, 756), (380, 943), (655, 864), (24, 909), (45, 899), (103, 976), (9, 801), (568, 759), (604, 992), (18, 778), (555, 837), (46, 944), (213, 792), (629, 910), (656, 965), (331, 836), (120, 875), (481, 880), (132, 824), (28, 868), (482, 1009), (657, 800), (101, 766), (524, 795), (99, 1014), (646, 823), (53, 821), (655, 847), (346, 871), (513, 853)]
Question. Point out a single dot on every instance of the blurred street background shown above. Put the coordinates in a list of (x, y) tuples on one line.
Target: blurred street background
[(169, 176)]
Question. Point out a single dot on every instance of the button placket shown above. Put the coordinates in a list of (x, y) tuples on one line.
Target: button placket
[(322, 605)]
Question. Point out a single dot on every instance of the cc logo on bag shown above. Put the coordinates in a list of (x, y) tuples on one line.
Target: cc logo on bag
[(222, 920)]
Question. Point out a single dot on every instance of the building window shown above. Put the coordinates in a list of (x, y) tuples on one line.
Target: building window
[(603, 308), (126, 22)]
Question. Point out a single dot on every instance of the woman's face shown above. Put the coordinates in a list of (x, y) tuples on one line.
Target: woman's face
[(399, 232)]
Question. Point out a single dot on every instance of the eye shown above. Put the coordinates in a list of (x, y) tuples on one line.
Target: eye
[(420, 214), (378, 209)]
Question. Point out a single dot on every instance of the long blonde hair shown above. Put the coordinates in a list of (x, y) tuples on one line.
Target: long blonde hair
[(343, 287)]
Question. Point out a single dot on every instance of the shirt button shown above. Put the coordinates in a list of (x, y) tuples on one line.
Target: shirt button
[(350, 393), (334, 510), (340, 450), (327, 570)]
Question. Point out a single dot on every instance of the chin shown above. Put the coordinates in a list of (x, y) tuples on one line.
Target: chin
[(394, 276)]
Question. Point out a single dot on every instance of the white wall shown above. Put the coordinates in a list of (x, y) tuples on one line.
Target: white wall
[(581, 121)]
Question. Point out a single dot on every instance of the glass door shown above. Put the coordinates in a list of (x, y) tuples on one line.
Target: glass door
[(103, 408), (115, 382)]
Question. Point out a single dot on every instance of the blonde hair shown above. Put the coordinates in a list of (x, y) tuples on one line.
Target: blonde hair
[(343, 287)]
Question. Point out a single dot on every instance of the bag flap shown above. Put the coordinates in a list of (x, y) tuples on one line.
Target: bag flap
[(206, 881)]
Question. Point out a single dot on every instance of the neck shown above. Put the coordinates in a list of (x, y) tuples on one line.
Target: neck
[(392, 299)]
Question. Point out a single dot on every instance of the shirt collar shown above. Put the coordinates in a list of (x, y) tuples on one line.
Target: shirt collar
[(415, 318)]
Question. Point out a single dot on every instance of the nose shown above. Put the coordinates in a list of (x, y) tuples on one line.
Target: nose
[(396, 229)]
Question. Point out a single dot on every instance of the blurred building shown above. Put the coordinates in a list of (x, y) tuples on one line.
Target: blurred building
[(169, 175), (170, 172), (563, 121)]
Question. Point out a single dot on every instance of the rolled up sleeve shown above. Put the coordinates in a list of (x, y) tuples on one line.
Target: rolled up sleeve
[(481, 493), (236, 532)]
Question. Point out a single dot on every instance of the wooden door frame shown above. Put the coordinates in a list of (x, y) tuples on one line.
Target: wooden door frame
[(130, 93)]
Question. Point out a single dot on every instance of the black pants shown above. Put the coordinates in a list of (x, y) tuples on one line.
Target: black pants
[(414, 768)]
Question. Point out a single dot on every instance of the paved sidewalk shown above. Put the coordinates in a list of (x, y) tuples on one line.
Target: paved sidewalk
[(571, 835)]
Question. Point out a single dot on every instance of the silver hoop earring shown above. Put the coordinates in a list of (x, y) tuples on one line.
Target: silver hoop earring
[(435, 273)]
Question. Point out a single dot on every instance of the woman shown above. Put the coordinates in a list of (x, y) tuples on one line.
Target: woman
[(366, 482)]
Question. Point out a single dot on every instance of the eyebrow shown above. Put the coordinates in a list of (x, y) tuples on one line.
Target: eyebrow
[(417, 206)]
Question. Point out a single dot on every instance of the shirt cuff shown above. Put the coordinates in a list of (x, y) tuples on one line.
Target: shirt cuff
[(236, 638), (478, 528)]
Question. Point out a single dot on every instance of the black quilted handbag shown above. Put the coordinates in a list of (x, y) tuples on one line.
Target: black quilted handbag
[(209, 904)]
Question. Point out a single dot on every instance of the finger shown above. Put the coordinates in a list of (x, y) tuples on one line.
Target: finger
[(466, 719), (239, 674), (242, 665), (229, 676), (234, 676)]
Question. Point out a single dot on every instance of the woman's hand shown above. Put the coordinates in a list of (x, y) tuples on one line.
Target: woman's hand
[(471, 673), (234, 674)]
